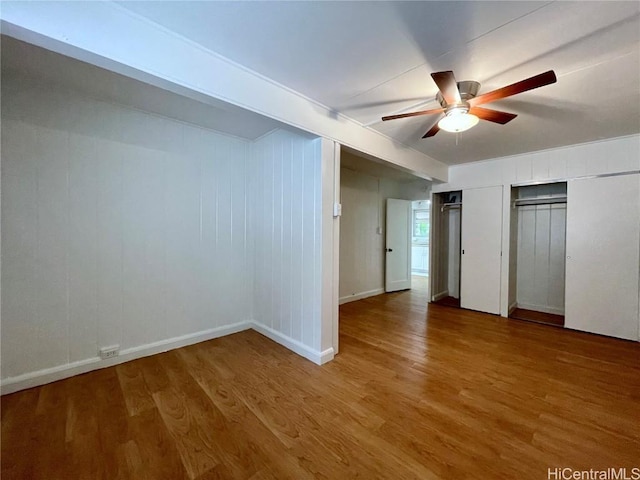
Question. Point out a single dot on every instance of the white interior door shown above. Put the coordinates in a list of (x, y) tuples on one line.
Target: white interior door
[(398, 246), (603, 234), (481, 249)]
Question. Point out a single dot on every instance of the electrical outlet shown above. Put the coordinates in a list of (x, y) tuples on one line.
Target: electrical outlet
[(109, 352)]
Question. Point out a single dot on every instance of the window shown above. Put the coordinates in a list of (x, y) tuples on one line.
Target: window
[(421, 224)]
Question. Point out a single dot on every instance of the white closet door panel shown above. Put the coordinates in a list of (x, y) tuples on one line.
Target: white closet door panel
[(603, 238), (481, 246)]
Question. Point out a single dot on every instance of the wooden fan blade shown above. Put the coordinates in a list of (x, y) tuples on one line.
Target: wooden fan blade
[(413, 114), (448, 86), (494, 116), (432, 131), (537, 81)]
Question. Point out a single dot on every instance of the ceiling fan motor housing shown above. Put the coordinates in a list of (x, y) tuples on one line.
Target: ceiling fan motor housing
[(468, 89)]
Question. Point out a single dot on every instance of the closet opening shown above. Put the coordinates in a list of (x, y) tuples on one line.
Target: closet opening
[(537, 253), (446, 214)]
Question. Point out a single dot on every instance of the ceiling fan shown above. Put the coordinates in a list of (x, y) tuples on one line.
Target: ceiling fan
[(460, 103)]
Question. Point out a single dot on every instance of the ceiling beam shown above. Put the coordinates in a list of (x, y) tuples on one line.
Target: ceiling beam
[(109, 36)]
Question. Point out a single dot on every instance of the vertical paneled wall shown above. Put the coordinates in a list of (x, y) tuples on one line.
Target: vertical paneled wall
[(286, 228), (541, 232), (118, 227), (453, 264), (541, 258), (513, 252)]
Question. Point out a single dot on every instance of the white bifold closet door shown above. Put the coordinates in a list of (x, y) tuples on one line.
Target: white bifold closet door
[(481, 249), (603, 238)]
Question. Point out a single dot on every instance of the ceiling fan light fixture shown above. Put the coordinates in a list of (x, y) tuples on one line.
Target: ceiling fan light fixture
[(458, 120)]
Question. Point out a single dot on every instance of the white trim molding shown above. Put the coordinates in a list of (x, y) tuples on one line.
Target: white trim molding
[(440, 296), (60, 372), (360, 296), (316, 356), (540, 308)]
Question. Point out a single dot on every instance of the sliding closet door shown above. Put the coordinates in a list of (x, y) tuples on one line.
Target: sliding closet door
[(481, 249), (603, 238)]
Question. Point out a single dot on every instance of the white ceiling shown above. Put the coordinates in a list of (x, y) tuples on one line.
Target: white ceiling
[(355, 161), (28, 62), (369, 59)]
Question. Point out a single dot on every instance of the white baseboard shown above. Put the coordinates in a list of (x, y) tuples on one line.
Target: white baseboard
[(440, 296), (316, 356), (48, 375), (540, 308), (360, 296), (512, 307)]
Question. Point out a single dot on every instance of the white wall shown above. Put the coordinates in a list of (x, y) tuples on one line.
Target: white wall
[(125, 228), (541, 231), (362, 257), (608, 156), (118, 227), (287, 228), (361, 247)]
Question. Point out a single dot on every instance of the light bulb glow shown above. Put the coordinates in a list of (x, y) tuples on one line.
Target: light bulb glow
[(457, 121)]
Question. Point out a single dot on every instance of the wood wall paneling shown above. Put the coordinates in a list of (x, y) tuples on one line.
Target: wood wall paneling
[(142, 231), (454, 219), (126, 231), (541, 257), (287, 222)]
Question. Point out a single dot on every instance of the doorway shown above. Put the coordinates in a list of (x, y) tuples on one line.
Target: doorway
[(420, 225), (366, 186), (446, 222), (538, 249)]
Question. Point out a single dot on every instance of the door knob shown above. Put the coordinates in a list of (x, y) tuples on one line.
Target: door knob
[(389, 249)]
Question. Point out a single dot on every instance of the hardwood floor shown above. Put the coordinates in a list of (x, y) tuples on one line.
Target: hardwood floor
[(540, 317), (443, 394), (448, 302)]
